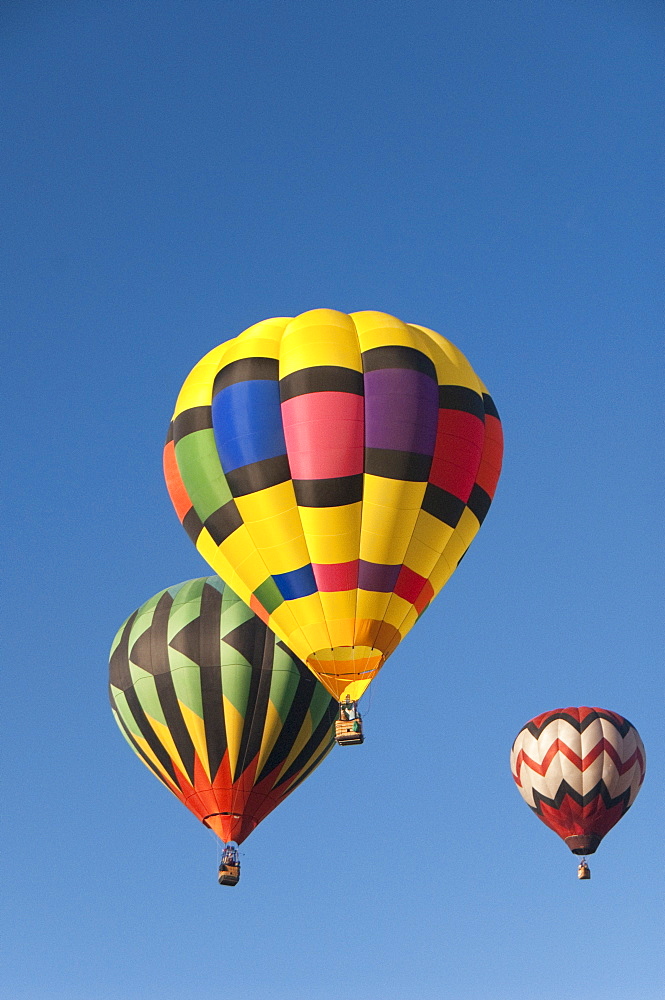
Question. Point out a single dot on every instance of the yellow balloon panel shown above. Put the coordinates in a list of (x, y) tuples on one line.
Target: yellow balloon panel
[(332, 533), (319, 338)]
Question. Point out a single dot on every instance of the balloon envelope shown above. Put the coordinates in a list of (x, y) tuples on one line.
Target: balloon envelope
[(334, 470), (216, 706), (579, 769)]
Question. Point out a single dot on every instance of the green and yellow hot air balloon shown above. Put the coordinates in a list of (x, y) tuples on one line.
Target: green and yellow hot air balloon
[(217, 706)]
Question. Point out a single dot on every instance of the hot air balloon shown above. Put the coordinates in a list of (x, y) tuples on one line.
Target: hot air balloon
[(218, 708), (334, 469), (579, 769)]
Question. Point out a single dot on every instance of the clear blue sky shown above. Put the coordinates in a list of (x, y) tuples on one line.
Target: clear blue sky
[(173, 172)]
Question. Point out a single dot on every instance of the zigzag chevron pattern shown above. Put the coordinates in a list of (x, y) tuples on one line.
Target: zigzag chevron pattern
[(580, 770)]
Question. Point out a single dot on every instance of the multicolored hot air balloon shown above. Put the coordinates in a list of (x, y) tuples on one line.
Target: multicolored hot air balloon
[(216, 706), (334, 469), (579, 769)]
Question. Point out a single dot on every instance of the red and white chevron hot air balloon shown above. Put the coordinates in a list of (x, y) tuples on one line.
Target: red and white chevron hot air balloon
[(579, 769)]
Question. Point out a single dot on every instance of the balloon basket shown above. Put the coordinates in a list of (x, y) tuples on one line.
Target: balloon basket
[(349, 725), (231, 876), (229, 869), (583, 870), (348, 733)]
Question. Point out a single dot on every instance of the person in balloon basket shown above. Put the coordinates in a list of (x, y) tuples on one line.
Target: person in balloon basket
[(229, 857), (229, 868), (349, 713)]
